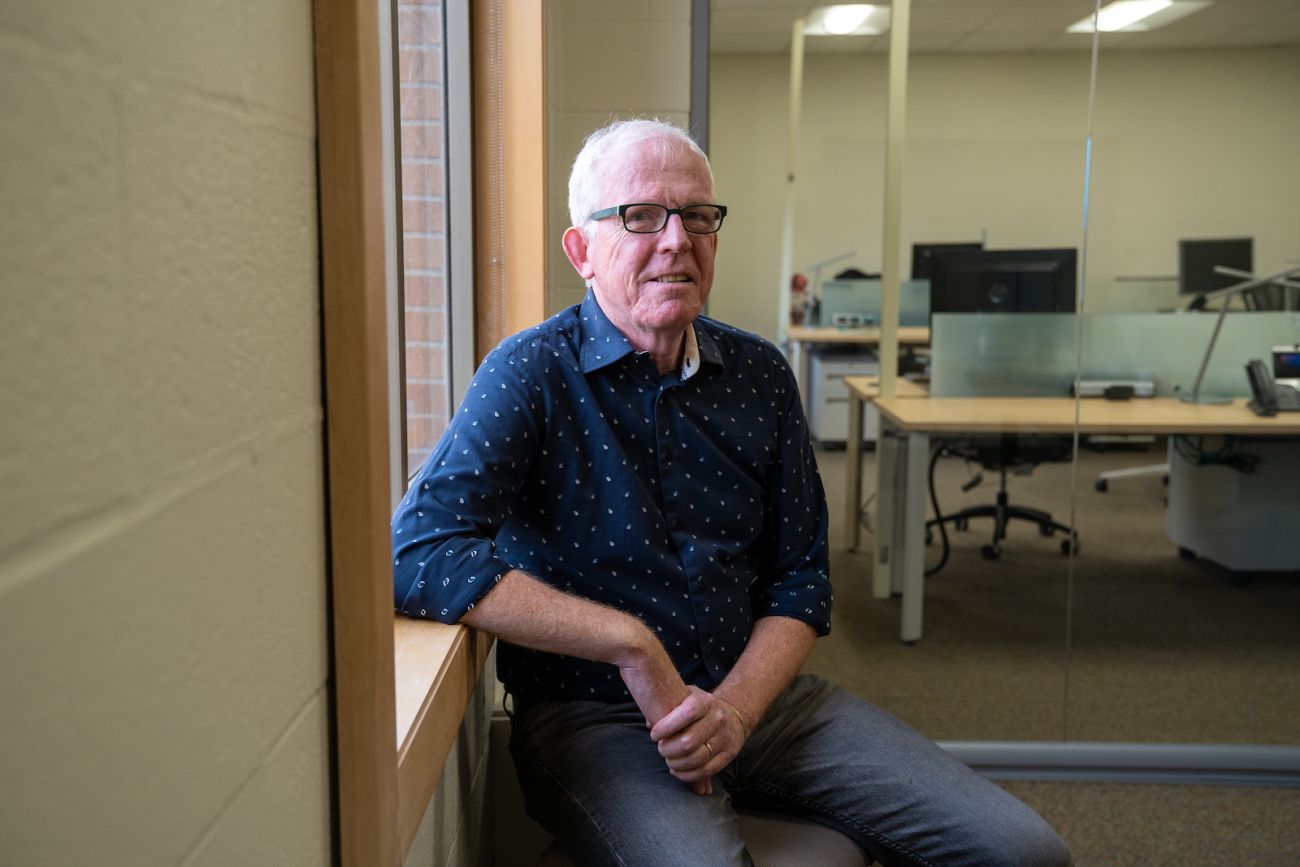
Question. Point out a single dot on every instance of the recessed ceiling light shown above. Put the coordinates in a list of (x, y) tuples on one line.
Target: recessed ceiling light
[(1137, 15), (843, 20), (854, 19)]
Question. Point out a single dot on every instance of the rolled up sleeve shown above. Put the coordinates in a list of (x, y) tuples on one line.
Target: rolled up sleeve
[(444, 554), (795, 579)]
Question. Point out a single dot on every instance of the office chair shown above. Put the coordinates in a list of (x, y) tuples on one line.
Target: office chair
[(1002, 453), (1269, 297), (1105, 477)]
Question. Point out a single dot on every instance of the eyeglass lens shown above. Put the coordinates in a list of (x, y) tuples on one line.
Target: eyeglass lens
[(647, 219)]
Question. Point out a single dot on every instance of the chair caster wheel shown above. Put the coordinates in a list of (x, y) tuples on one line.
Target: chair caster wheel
[(1069, 546), (1046, 530), (960, 524), (991, 552), (1101, 485)]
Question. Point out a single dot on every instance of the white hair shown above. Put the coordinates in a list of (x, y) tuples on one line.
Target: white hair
[(601, 150)]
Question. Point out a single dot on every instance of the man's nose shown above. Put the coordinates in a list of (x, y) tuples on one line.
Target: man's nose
[(674, 236)]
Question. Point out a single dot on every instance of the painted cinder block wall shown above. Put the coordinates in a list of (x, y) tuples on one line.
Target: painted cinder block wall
[(163, 635)]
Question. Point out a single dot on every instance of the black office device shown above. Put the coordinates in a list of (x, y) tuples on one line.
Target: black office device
[(1003, 281), (921, 254), (1269, 397), (1198, 258)]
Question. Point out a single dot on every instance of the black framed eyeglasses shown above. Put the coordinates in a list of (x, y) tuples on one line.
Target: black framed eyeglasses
[(647, 218)]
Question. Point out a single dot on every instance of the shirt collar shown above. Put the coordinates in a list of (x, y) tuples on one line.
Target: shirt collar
[(603, 343), (707, 346)]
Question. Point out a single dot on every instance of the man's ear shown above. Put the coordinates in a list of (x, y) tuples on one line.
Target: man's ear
[(575, 248)]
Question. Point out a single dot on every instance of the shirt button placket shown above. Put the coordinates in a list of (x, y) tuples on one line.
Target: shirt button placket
[(664, 442)]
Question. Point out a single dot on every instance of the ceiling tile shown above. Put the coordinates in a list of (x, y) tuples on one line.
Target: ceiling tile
[(762, 21), (1025, 18), (749, 43), (953, 19), (931, 43), (1162, 39), (1259, 36), (796, 7), (1077, 41), (999, 42), (1225, 14)]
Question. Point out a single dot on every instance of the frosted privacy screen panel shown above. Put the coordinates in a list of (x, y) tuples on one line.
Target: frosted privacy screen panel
[(862, 297), (1033, 354)]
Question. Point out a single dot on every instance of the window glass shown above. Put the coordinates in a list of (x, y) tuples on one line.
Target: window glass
[(421, 76)]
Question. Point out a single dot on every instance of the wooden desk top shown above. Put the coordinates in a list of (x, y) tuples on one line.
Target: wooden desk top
[(1159, 415), (868, 387), (912, 335)]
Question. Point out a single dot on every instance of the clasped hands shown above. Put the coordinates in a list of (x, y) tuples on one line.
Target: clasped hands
[(698, 733), (699, 738)]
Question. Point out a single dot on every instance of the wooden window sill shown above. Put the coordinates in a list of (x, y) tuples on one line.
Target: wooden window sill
[(437, 668)]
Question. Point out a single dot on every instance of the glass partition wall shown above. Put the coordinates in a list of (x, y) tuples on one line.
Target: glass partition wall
[(1185, 617), (1143, 612), (994, 158)]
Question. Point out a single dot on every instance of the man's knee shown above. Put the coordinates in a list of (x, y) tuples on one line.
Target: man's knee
[(1029, 842)]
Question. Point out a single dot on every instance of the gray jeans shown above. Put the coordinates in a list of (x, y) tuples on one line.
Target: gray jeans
[(592, 777)]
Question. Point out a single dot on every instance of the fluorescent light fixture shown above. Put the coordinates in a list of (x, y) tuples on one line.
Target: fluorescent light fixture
[(854, 19), (1131, 16), (843, 20)]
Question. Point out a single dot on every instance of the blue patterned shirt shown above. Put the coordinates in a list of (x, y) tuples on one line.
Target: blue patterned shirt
[(690, 500)]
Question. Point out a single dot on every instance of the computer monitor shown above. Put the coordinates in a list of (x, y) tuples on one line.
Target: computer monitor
[(1003, 281), (1197, 259), (921, 254)]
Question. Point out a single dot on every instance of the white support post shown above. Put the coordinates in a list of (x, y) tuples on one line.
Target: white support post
[(791, 165), (900, 11)]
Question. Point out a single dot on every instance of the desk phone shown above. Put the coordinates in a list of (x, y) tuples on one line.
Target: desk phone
[(1270, 397)]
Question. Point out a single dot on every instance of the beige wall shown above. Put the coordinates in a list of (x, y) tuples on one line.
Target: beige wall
[(162, 581), (456, 829), (589, 44), (1187, 144)]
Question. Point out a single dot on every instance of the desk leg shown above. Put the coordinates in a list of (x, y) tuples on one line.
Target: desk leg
[(799, 363), (910, 534), (853, 468), (887, 505)]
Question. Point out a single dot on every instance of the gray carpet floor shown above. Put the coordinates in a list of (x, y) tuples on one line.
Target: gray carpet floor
[(1124, 642)]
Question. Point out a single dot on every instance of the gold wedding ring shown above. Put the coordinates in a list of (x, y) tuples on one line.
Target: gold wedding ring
[(709, 747)]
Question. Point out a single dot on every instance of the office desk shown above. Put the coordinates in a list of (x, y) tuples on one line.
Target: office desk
[(904, 449), (864, 388), (802, 336)]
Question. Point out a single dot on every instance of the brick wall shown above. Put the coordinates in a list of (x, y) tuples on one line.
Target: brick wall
[(424, 210)]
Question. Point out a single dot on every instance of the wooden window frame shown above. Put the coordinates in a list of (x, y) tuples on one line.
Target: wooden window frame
[(400, 687)]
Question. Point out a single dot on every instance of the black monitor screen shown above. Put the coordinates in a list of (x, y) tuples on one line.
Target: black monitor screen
[(1003, 281), (1196, 261), (921, 254)]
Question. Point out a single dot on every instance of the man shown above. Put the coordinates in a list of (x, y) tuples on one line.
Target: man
[(627, 497)]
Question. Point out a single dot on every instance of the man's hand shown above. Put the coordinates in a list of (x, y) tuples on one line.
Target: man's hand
[(698, 738), (659, 692)]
